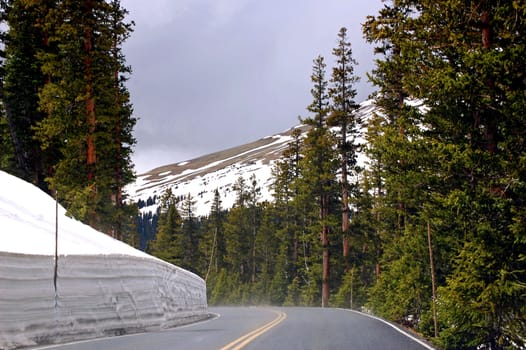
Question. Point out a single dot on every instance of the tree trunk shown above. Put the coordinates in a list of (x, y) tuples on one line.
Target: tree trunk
[(326, 268), (91, 121), (118, 146), (345, 209), (254, 255), (325, 248), (490, 127), (19, 150), (433, 283)]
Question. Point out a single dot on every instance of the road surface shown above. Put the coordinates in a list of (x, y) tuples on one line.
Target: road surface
[(258, 328)]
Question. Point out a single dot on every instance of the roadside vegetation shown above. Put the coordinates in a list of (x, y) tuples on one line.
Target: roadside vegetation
[(430, 233)]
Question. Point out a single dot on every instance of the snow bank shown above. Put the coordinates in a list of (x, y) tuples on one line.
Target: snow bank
[(104, 287)]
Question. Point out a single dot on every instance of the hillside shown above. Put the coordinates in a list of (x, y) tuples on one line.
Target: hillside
[(201, 176)]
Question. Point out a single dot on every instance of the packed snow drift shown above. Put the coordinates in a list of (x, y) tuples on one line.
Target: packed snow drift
[(102, 286)]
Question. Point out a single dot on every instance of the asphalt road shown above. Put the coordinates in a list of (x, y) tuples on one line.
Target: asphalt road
[(251, 328)]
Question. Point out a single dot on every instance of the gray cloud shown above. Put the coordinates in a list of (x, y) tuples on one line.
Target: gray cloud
[(212, 74)]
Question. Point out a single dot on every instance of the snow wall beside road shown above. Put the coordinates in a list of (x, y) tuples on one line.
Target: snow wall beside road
[(96, 295), (104, 286)]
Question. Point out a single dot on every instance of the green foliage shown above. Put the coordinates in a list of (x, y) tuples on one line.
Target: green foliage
[(21, 81), (293, 293), (7, 158), (189, 238), (67, 106), (278, 251), (178, 234), (445, 185), (166, 244), (352, 293), (212, 246), (453, 165), (225, 289), (402, 292)]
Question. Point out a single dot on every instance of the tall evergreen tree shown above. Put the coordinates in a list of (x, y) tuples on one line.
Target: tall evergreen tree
[(25, 38), (318, 168), (342, 114), (255, 218), (7, 152), (87, 110), (401, 157), (123, 122), (188, 240), (466, 68), (165, 245), (213, 244), (238, 233), (286, 173)]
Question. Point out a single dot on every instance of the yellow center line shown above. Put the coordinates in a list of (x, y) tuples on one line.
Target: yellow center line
[(242, 341)]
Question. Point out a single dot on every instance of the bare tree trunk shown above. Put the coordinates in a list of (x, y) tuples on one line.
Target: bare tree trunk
[(211, 254), (325, 247), (433, 283)]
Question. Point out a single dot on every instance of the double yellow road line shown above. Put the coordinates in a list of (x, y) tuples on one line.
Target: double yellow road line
[(241, 342)]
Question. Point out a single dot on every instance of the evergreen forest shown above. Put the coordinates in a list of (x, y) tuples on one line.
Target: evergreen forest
[(67, 123), (430, 234)]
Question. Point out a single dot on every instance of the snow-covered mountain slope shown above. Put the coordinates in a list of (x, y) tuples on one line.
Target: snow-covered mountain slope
[(101, 286), (200, 177)]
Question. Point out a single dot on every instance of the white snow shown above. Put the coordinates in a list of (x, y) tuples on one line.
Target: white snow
[(202, 186), (104, 286), (27, 221)]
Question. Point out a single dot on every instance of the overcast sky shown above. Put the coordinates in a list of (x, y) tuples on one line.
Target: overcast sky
[(213, 74)]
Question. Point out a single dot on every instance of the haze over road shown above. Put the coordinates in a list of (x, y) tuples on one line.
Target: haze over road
[(255, 328)]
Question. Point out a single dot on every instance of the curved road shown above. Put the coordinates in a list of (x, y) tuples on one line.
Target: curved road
[(255, 328)]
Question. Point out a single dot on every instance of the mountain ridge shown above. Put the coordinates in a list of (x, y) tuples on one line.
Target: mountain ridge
[(201, 176), (217, 160)]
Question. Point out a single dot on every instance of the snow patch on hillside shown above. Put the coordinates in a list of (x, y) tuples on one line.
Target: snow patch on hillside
[(201, 181)]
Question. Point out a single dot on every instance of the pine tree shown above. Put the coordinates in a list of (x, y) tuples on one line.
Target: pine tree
[(7, 152), (188, 240), (165, 245), (255, 218), (212, 246), (466, 69), (25, 38), (318, 168), (342, 115), (87, 112), (123, 122), (238, 233), (402, 166), (286, 174)]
